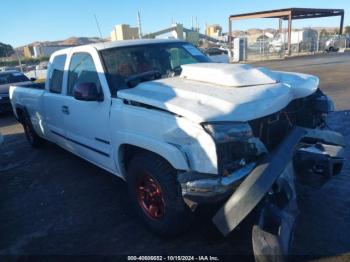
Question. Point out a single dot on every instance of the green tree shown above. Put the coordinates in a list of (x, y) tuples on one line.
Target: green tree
[(6, 50)]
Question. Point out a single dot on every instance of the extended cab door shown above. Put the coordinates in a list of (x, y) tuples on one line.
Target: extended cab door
[(53, 100), (87, 122)]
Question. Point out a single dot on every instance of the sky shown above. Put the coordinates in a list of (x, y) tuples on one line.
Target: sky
[(26, 21)]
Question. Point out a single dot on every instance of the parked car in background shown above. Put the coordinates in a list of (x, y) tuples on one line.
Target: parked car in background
[(217, 54), (7, 78), (332, 45), (215, 51), (183, 131), (6, 68), (42, 66)]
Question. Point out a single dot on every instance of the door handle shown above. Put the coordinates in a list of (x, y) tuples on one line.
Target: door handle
[(65, 110)]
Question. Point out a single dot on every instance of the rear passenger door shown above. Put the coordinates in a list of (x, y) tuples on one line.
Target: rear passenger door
[(53, 100)]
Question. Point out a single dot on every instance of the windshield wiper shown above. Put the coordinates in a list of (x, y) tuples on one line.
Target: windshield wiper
[(134, 80)]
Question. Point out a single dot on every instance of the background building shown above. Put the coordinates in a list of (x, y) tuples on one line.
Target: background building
[(28, 51), (124, 32), (42, 50), (213, 30)]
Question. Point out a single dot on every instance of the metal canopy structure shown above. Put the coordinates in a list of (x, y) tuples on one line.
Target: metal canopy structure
[(288, 14)]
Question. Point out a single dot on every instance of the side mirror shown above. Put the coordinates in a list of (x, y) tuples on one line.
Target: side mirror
[(33, 79), (86, 92)]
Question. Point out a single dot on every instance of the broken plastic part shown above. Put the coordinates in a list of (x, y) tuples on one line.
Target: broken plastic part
[(271, 184), (316, 164)]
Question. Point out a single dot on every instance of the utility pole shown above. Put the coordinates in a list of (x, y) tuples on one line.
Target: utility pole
[(19, 61), (139, 24)]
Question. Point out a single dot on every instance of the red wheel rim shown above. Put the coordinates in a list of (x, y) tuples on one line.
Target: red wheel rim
[(150, 197)]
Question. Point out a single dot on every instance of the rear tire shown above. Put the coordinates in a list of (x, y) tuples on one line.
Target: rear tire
[(33, 139), (156, 195)]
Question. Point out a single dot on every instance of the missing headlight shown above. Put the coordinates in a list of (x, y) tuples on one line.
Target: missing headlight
[(235, 144), (228, 131)]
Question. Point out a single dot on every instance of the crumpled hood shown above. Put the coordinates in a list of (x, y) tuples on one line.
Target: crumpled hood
[(223, 92), (233, 75)]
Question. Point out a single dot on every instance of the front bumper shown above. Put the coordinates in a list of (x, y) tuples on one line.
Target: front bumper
[(211, 188), (269, 187)]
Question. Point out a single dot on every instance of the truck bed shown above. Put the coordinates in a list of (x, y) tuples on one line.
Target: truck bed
[(35, 85), (28, 97)]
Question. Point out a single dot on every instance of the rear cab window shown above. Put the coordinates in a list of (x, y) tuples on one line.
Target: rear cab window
[(56, 71)]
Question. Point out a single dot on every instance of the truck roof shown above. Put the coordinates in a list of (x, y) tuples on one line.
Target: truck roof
[(107, 45), (122, 43)]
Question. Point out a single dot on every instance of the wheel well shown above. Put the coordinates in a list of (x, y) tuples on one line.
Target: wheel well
[(126, 152)]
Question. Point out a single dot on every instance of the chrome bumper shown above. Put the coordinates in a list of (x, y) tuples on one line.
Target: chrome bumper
[(212, 188)]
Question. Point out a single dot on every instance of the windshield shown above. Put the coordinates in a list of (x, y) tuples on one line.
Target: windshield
[(12, 77), (124, 63)]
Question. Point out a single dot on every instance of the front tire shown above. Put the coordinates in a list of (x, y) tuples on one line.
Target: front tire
[(156, 194)]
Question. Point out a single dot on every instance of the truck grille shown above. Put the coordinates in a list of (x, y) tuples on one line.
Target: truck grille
[(271, 130)]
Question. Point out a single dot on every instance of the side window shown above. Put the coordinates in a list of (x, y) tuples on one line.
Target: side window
[(180, 57), (56, 74), (82, 70)]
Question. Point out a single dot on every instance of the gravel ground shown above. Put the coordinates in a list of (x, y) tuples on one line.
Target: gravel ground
[(52, 202)]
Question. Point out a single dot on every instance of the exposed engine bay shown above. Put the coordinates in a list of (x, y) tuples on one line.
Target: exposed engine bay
[(308, 112)]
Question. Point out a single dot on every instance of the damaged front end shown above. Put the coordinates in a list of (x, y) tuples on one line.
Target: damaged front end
[(289, 146), (271, 184), (237, 153)]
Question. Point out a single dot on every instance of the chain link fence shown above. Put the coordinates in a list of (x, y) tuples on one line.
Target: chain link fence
[(265, 48)]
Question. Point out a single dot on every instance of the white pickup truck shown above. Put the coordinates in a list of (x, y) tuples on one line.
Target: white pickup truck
[(183, 131)]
